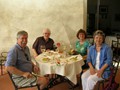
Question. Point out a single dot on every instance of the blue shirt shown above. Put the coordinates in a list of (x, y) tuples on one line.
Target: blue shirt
[(19, 58), (105, 57)]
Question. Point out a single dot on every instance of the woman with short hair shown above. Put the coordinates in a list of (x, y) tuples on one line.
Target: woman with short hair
[(99, 59)]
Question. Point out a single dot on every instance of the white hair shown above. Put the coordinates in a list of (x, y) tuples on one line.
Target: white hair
[(46, 30), (20, 33)]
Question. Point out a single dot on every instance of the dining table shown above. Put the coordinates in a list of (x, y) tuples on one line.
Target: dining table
[(52, 62)]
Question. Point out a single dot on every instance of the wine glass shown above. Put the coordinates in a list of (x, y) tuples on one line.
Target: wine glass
[(42, 48), (64, 51), (64, 47)]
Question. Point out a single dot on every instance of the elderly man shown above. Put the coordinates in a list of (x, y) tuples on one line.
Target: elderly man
[(43, 40), (19, 64)]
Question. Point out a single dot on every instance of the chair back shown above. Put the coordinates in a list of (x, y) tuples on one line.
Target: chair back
[(114, 69), (112, 84), (4, 54), (115, 62), (116, 45), (2, 62), (10, 75), (16, 87), (3, 57)]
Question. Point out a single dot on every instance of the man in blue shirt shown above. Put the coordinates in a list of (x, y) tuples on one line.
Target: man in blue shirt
[(19, 64)]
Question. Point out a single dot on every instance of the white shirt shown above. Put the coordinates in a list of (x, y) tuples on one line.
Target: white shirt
[(97, 61)]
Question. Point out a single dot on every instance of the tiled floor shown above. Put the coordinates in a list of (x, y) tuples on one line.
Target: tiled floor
[(5, 84)]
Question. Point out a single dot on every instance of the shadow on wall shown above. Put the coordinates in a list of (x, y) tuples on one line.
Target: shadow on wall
[(71, 34)]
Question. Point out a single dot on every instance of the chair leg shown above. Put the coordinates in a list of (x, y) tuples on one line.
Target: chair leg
[(45, 89), (38, 87), (98, 86), (1, 68), (102, 85), (16, 88)]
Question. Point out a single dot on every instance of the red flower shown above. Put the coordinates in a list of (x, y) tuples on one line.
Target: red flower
[(58, 44)]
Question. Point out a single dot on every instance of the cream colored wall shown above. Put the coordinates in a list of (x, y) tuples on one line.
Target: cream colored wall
[(63, 17)]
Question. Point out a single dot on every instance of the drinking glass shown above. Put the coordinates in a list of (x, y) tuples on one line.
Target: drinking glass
[(42, 48), (64, 48)]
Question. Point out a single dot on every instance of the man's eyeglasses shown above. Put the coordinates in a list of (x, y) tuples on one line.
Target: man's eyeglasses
[(26, 57)]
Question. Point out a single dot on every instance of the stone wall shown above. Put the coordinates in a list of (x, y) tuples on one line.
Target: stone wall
[(63, 17)]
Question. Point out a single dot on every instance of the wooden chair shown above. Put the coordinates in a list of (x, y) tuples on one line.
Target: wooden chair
[(1, 65), (17, 88), (115, 66), (4, 54), (116, 45), (2, 61)]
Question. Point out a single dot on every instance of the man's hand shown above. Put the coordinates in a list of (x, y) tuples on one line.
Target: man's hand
[(36, 69), (27, 75)]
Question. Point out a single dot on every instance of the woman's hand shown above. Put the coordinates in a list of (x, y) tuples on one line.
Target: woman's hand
[(92, 71), (27, 75), (99, 73)]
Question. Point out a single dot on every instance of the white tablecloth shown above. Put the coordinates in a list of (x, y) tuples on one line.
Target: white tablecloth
[(67, 67)]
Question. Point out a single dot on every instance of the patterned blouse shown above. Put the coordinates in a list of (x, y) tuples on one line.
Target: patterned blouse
[(82, 48)]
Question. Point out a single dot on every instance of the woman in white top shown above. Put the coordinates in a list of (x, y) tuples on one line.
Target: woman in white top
[(99, 59)]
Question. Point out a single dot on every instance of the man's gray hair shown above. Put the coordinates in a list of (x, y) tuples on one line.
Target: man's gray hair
[(20, 33)]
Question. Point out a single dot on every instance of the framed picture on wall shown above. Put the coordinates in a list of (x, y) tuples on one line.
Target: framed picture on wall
[(103, 9)]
